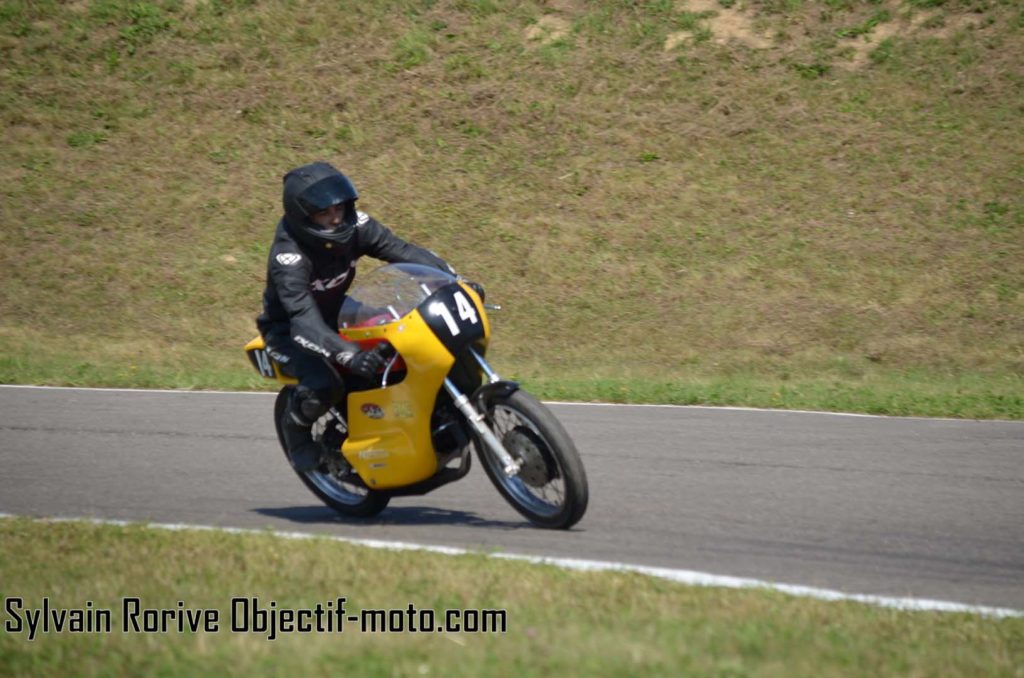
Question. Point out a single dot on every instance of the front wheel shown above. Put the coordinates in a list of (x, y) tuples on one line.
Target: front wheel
[(550, 489), (334, 481)]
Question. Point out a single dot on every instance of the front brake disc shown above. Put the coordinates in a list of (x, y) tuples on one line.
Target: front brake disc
[(537, 468)]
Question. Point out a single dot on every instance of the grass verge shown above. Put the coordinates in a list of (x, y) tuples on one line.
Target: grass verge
[(557, 621), (836, 387)]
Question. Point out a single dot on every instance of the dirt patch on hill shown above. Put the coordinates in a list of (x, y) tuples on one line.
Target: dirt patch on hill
[(856, 34), (727, 25), (903, 23), (547, 30)]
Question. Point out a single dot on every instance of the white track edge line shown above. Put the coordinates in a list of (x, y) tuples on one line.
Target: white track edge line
[(725, 408), (686, 577)]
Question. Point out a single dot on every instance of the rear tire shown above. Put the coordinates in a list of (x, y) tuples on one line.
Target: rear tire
[(334, 481), (550, 489)]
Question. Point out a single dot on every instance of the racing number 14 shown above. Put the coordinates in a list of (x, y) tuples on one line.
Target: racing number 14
[(465, 308)]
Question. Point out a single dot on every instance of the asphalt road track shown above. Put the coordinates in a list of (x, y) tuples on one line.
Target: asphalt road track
[(923, 508)]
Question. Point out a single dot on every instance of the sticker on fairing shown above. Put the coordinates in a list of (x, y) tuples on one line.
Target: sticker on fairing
[(373, 411), (262, 362)]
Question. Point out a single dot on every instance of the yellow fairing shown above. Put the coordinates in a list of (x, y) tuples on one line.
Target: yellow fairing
[(479, 304), (265, 365), (389, 442)]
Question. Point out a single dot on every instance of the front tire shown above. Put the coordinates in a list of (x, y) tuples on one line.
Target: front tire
[(550, 489), (334, 481)]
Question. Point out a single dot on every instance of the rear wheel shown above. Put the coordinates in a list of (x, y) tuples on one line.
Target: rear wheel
[(551, 486), (334, 481)]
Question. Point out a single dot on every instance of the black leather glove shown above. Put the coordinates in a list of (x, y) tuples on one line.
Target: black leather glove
[(363, 363)]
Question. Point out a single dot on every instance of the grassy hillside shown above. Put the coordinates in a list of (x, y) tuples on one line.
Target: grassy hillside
[(775, 202)]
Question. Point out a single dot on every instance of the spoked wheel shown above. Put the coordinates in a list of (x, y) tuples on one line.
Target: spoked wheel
[(334, 481), (551, 486)]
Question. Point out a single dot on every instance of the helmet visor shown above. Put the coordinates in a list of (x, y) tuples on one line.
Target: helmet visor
[(325, 193)]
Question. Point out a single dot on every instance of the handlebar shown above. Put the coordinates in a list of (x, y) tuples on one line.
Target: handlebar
[(386, 351)]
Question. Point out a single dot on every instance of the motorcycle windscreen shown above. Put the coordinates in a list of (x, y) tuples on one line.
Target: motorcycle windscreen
[(389, 293)]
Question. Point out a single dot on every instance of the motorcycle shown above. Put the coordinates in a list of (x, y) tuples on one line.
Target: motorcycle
[(435, 401)]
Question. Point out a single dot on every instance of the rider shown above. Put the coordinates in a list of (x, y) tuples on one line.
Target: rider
[(312, 264)]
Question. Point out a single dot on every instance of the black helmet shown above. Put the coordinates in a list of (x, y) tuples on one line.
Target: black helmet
[(313, 188)]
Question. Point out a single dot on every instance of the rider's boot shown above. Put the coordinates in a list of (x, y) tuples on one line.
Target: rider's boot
[(298, 437)]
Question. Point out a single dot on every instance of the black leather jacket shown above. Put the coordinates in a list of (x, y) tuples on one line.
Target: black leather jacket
[(306, 284)]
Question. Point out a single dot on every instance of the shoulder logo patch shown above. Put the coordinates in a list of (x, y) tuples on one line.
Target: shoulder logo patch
[(363, 217), (288, 258)]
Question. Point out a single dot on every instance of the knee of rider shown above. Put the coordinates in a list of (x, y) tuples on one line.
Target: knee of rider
[(309, 404)]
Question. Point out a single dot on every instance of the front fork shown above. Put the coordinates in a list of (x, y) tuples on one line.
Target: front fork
[(476, 419)]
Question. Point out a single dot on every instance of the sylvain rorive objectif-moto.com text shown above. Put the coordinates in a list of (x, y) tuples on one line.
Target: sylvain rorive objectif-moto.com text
[(244, 614)]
